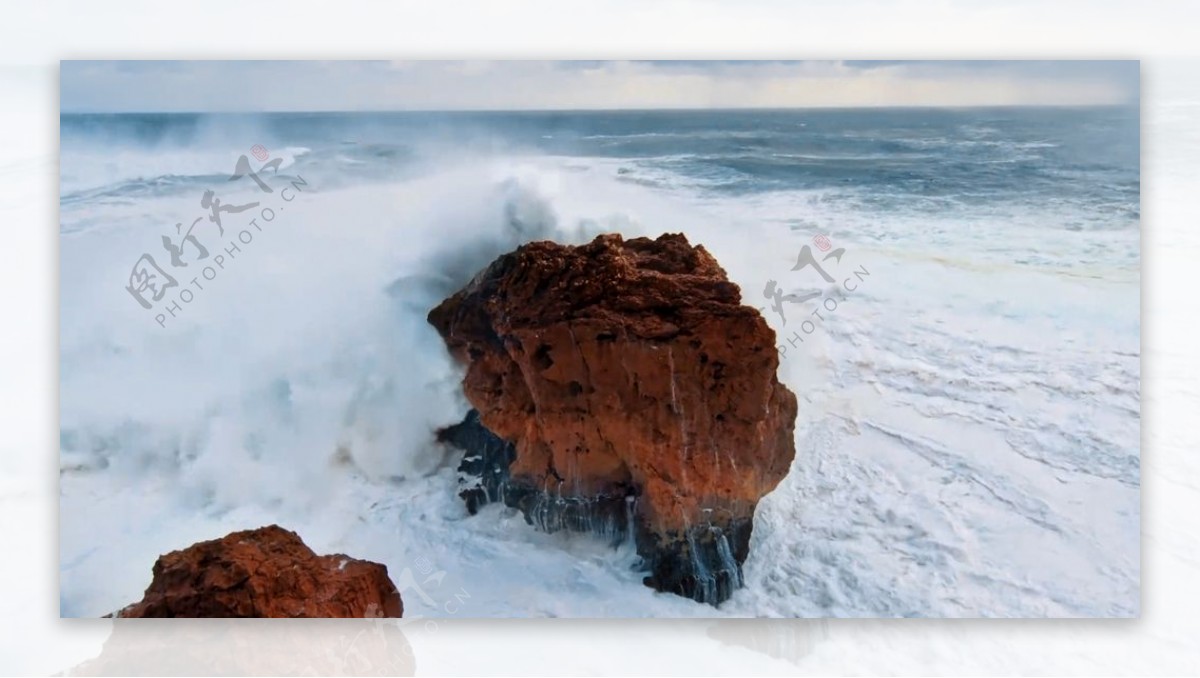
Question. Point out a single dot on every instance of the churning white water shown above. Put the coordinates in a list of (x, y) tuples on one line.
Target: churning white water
[(967, 442)]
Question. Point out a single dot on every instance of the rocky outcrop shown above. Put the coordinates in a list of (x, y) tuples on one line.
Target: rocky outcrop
[(622, 385), (268, 572)]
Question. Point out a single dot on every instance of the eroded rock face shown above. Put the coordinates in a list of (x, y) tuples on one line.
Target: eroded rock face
[(636, 391), (268, 572)]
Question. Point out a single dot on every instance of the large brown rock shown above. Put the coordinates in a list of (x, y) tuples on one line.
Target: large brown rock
[(624, 377), (268, 572)]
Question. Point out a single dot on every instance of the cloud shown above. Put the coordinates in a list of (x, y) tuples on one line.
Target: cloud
[(521, 85)]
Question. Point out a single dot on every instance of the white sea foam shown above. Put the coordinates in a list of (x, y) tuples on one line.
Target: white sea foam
[(967, 441)]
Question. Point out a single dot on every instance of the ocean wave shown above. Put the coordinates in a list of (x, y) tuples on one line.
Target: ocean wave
[(951, 417)]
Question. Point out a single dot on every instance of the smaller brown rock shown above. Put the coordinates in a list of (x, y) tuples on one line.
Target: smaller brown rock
[(268, 572)]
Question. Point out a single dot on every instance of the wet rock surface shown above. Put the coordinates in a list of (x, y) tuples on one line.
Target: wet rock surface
[(268, 572), (622, 385)]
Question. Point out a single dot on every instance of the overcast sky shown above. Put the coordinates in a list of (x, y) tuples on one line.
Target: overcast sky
[(107, 86)]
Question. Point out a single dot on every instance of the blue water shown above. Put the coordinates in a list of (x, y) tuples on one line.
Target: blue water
[(1088, 156)]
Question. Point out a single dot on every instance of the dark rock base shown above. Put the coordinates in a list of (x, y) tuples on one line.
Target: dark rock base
[(704, 564), (483, 471)]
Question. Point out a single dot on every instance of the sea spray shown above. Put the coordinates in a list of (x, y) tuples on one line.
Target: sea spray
[(169, 432)]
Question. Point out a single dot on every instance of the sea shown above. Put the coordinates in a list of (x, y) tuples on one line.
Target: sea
[(955, 292)]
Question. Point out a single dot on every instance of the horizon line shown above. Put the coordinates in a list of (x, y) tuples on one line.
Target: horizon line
[(674, 109)]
